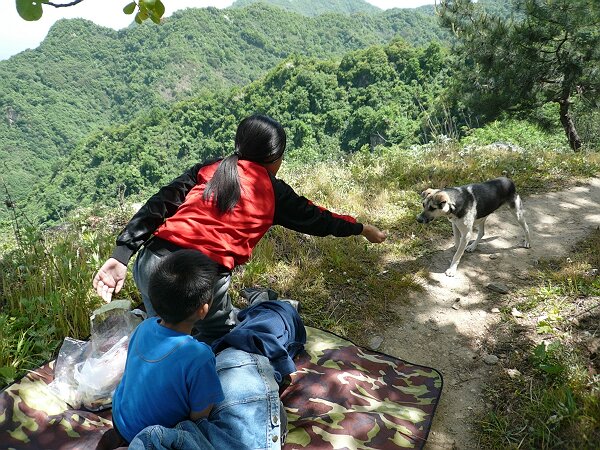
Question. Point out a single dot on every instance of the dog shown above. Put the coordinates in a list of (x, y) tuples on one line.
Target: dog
[(469, 206)]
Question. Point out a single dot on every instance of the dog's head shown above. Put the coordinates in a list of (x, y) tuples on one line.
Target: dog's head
[(436, 203)]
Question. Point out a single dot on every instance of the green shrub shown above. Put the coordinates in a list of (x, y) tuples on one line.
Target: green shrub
[(518, 133)]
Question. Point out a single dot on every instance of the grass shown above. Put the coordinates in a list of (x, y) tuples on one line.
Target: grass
[(555, 401), (346, 285), (45, 282)]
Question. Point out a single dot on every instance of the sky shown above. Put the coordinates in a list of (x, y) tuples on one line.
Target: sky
[(17, 34)]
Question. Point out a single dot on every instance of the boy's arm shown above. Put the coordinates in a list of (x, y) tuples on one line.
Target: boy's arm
[(195, 415), (203, 381)]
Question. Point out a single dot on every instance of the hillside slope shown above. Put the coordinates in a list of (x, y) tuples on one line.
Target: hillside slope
[(83, 77), (379, 95)]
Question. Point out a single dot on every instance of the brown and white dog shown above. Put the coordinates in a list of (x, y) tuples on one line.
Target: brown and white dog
[(469, 206)]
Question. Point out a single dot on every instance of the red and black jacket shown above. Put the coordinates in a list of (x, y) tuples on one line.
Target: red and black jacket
[(178, 214)]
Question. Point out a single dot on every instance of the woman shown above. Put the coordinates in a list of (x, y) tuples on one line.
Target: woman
[(221, 208)]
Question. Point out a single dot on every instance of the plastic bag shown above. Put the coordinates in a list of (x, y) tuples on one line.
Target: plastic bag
[(64, 384), (98, 377), (87, 373)]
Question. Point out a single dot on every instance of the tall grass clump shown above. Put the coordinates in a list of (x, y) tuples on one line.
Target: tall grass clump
[(451, 164), (517, 133), (45, 286)]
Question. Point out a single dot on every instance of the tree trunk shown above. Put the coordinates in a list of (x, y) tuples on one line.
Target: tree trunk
[(569, 126)]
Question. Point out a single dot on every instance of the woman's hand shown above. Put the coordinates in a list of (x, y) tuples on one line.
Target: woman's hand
[(110, 279), (373, 234)]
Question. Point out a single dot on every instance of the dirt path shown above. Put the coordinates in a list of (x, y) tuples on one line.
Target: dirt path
[(435, 334)]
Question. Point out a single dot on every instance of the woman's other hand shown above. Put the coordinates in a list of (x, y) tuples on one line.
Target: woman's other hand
[(110, 279)]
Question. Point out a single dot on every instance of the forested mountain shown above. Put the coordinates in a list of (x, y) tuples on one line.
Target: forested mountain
[(379, 95), (316, 7), (83, 77)]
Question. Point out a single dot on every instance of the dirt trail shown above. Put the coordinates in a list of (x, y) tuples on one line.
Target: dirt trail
[(435, 334)]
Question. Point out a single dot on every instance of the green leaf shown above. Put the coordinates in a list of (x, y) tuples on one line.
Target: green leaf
[(30, 10), (156, 11), (540, 351), (138, 19), (159, 8), (149, 3), (544, 329), (551, 369), (129, 8)]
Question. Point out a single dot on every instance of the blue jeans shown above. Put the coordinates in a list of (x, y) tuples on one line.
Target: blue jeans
[(186, 435), (218, 321), (251, 411), (248, 418)]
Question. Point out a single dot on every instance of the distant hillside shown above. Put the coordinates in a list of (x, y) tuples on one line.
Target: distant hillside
[(379, 95), (315, 7), (499, 8), (84, 77)]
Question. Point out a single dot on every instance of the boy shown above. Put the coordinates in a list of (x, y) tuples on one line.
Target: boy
[(169, 376), (256, 355)]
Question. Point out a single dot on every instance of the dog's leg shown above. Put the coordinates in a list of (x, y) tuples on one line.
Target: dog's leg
[(456, 234), (516, 207), (480, 232), (465, 232)]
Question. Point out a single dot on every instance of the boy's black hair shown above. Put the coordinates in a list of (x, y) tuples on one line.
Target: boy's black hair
[(258, 138), (180, 284)]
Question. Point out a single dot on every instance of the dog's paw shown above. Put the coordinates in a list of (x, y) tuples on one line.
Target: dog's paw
[(451, 272), (526, 244), (470, 248)]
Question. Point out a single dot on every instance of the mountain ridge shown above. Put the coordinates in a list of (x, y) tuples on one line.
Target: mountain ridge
[(315, 7)]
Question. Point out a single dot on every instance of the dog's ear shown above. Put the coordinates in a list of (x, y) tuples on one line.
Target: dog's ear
[(442, 198), (427, 192)]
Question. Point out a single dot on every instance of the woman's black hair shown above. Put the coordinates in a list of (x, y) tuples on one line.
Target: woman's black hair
[(258, 138)]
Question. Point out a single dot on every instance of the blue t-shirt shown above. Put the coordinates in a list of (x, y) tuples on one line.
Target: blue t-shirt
[(168, 374)]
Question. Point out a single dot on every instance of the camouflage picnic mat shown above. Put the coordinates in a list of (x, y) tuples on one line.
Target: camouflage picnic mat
[(342, 397), (346, 397)]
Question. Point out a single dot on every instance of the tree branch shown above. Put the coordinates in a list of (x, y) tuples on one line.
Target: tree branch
[(63, 5)]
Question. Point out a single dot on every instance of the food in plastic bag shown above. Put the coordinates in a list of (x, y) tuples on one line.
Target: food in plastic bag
[(98, 378), (87, 373)]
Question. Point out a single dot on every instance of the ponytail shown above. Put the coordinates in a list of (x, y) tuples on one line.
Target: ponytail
[(258, 138), (224, 186)]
